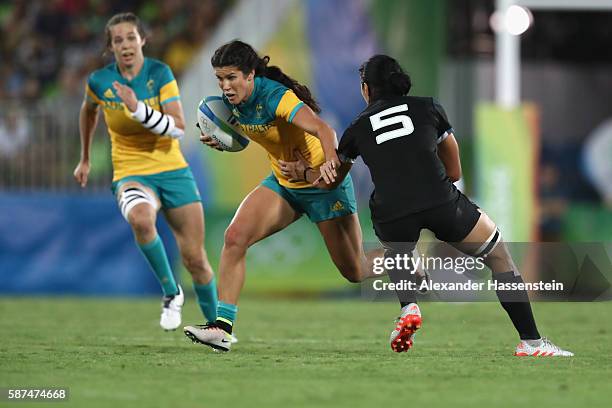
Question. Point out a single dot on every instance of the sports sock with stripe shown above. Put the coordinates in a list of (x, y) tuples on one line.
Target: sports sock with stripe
[(226, 315), (155, 253), (516, 304), (207, 299)]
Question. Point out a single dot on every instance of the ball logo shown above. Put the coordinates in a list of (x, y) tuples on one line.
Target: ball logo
[(206, 126)]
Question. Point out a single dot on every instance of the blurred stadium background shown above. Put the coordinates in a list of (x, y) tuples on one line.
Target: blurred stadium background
[(541, 168)]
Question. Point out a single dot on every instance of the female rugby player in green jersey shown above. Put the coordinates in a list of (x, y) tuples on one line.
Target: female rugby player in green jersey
[(142, 110), (281, 115)]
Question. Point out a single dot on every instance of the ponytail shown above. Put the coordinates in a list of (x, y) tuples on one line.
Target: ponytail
[(399, 83), (302, 91), (384, 77)]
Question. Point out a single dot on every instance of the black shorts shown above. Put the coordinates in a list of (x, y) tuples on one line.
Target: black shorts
[(451, 222)]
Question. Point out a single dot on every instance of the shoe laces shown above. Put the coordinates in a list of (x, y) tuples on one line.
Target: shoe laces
[(549, 344), (208, 326)]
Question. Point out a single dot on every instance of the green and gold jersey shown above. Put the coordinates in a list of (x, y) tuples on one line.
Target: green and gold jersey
[(266, 118), (135, 150)]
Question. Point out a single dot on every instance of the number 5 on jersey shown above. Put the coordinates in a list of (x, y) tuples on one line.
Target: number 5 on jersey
[(378, 122)]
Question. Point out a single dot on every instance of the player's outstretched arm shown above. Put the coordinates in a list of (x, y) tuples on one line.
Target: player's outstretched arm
[(160, 123), (307, 120), (88, 120), (175, 109), (448, 152)]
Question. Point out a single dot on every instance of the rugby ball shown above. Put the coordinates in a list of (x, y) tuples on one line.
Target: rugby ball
[(217, 121)]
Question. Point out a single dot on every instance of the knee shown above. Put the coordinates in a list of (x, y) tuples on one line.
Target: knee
[(499, 259), (235, 239), (194, 260), (142, 224)]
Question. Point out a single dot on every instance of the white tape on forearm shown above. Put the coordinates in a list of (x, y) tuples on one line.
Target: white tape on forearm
[(156, 121)]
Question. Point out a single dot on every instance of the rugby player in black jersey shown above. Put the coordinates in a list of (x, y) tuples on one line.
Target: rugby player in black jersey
[(413, 157)]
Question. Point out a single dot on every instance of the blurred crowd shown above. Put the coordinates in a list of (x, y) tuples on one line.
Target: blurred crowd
[(49, 46), (47, 50)]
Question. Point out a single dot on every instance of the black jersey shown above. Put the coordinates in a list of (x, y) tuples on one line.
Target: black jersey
[(398, 141)]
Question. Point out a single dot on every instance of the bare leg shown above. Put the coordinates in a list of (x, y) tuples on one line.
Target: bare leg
[(261, 214), (187, 224), (343, 239)]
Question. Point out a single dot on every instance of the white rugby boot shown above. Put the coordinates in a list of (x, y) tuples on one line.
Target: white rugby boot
[(171, 310), (210, 335), (545, 348), (402, 337)]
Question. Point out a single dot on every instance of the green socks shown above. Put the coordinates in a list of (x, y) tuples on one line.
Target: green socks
[(207, 298), (155, 253), (226, 315)]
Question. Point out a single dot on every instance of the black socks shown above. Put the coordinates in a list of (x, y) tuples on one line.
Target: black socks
[(516, 304)]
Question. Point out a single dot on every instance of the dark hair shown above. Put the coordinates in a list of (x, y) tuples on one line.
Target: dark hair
[(384, 77), (242, 55), (123, 18)]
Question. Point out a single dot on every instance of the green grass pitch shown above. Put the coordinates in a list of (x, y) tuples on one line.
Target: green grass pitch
[(314, 353)]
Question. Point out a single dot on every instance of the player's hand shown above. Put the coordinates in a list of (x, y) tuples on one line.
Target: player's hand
[(127, 96), (207, 140), (295, 170), (328, 171), (81, 173)]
